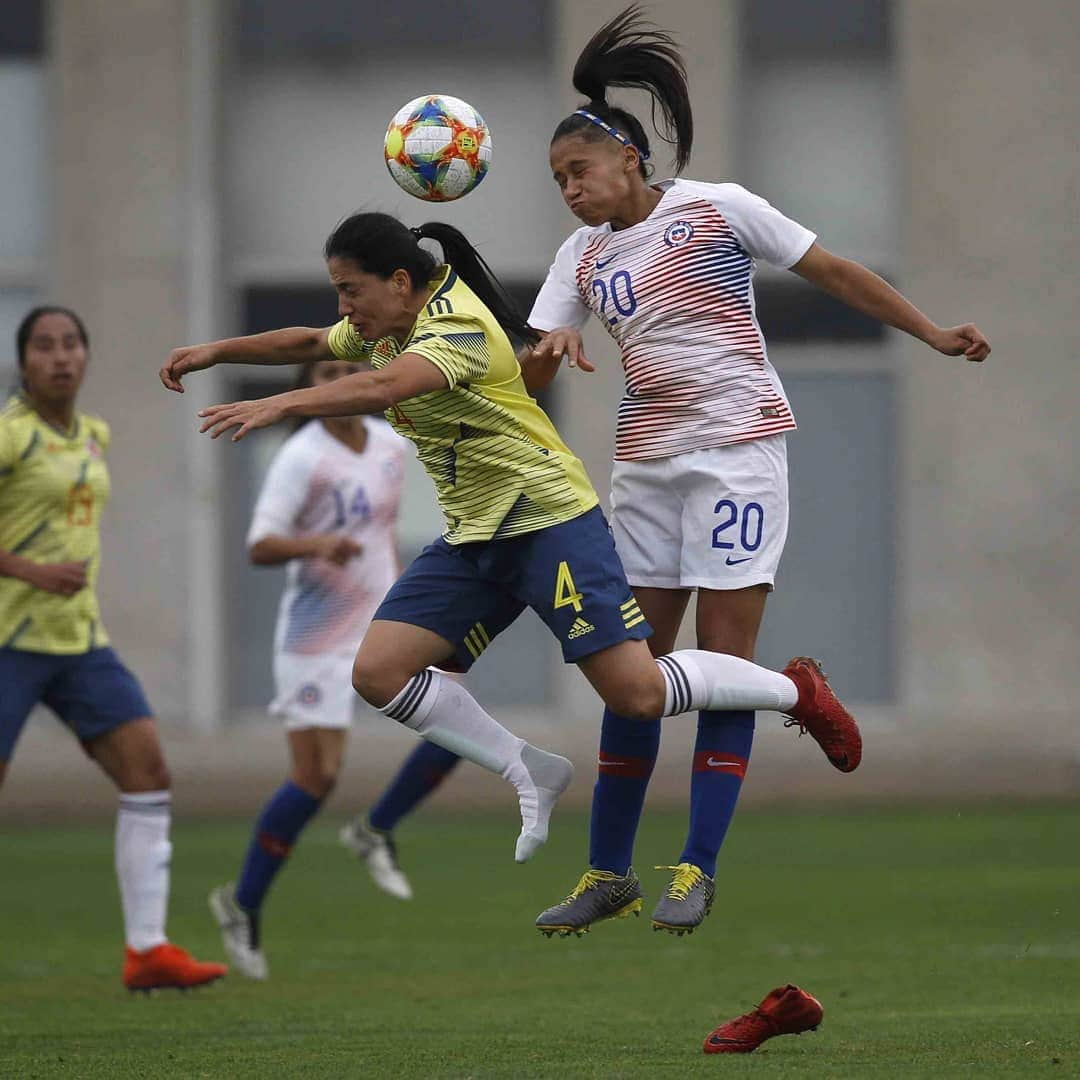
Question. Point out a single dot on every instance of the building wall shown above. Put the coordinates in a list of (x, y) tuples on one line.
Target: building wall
[(992, 496), (988, 591)]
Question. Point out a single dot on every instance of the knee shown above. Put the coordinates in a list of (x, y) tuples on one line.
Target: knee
[(317, 780), (641, 699), (377, 684), (151, 774)]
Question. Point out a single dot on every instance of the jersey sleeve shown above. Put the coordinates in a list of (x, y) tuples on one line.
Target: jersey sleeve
[(9, 452), (765, 232), (282, 496), (346, 344), (456, 344), (559, 303), (100, 431)]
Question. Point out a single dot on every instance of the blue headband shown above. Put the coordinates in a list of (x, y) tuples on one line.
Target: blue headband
[(613, 132)]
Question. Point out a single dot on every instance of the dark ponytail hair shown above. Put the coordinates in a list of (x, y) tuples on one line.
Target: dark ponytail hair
[(628, 51), (380, 244), (26, 328)]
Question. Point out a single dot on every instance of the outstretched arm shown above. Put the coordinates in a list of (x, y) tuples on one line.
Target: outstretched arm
[(863, 290), (406, 376), (293, 345)]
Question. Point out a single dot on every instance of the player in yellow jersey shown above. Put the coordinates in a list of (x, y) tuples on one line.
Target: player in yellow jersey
[(523, 528), (53, 649)]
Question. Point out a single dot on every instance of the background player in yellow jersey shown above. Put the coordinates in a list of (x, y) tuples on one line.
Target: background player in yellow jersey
[(523, 525), (53, 649)]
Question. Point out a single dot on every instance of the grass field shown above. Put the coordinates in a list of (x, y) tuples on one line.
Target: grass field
[(940, 944)]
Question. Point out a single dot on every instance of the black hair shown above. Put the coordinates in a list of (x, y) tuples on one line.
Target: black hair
[(380, 244), (26, 327), (305, 378), (628, 51)]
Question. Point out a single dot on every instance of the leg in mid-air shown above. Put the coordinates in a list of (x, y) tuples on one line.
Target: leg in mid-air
[(370, 835), (394, 672), (635, 685), (727, 622), (317, 754), (625, 760)]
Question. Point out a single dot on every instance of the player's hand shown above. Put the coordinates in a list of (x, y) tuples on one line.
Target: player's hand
[(185, 359), (564, 341), (63, 579), (336, 548), (966, 340), (245, 416)]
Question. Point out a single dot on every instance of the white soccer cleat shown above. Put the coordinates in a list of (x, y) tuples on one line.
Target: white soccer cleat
[(378, 850), (540, 778), (238, 935)]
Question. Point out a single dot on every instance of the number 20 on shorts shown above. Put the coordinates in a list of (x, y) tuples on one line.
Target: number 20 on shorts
[(750, 521)]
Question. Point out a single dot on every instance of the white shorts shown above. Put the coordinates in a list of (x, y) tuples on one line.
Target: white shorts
[(313, 690), (706, 519)]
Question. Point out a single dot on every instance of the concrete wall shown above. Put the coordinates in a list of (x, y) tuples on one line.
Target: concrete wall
[(989, 589), (120, 257), (992, 499)]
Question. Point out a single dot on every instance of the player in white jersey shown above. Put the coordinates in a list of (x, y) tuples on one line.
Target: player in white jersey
[(328, 510), (699, 487)]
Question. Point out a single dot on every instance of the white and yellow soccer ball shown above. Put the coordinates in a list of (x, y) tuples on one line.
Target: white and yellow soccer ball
[(438, 148)]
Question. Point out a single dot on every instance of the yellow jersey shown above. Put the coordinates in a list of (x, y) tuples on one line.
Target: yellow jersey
[(53, 488), (497, 462)]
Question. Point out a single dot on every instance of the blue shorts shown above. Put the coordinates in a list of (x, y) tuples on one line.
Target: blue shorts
[(569, 574), (91, 692)]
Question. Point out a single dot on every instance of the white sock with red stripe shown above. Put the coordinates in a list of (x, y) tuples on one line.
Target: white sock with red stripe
[(696, 679), (143, 854)]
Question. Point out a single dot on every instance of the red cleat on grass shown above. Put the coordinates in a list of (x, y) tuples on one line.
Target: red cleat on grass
[(820, 712), (168, 966), (787, 1010)]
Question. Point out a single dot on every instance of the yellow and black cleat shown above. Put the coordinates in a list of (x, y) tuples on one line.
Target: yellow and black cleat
[(599, 895)]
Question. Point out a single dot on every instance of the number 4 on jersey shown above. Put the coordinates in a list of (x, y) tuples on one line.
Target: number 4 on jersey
[(565, 592)]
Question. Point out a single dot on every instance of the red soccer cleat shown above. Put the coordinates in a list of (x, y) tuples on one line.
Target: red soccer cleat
[(787, 1010), (820, 712), (167, 966)]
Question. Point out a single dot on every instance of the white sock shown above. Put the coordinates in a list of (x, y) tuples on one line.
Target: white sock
[(143, 853), (697, 679), (442, 711)]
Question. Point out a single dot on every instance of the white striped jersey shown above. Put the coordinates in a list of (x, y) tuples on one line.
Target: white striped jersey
[(676, 293), (317, 484)]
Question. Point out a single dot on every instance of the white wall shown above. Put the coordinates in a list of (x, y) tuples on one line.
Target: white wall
[(306, 148)]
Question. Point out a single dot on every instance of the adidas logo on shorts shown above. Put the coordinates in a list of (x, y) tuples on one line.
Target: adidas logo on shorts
[(580, 629)]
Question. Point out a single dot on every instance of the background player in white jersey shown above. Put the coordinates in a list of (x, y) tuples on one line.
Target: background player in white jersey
[(699, 487), (328, 510)]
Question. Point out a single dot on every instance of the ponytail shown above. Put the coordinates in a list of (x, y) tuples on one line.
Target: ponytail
[(630, 52), (470, 266), (380, 244)]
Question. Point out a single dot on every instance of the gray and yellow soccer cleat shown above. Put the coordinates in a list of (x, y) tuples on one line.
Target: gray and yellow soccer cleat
[(687, 901), (599, 895)]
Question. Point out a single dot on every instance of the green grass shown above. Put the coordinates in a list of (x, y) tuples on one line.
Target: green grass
[(940, 944)]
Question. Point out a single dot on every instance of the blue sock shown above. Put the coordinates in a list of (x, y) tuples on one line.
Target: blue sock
[(281, 822), (721, 754), (628, 750), (422, 772)]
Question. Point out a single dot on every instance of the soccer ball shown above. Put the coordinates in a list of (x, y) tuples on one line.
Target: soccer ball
[(438, 148)]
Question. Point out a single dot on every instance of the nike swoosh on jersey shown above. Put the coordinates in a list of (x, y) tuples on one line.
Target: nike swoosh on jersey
[(601, 263), (735, 562)]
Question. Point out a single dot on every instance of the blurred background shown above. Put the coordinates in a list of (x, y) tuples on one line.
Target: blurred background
[(170, 168)]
